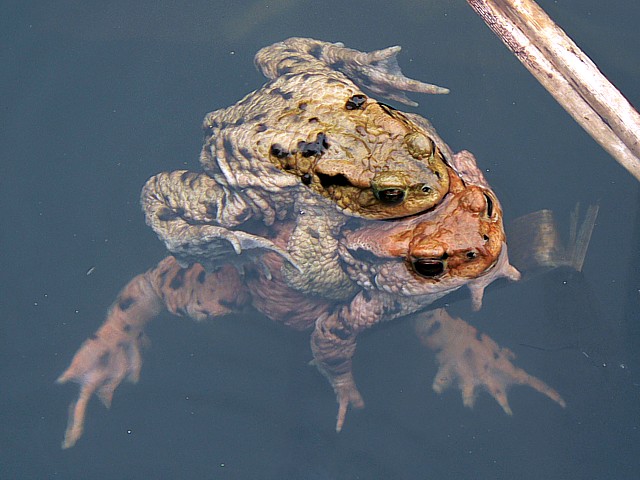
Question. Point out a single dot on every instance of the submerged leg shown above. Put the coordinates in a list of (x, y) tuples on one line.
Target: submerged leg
[(333, 344), (473, 361), (113, 353)]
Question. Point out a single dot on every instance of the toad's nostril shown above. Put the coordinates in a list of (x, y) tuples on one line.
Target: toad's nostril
[(427, 267), (392, 196)]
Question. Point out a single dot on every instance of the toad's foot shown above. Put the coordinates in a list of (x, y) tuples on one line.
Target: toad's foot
[(347, 395), (378, 71), (100, 365), (113, 353), (475, 361)]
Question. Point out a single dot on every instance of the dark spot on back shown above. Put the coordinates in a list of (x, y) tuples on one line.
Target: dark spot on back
[(261, 127), (302, 105), (338, 180), (201, 276), (317, 147), (126, 328), (355, 102), (278, 151)]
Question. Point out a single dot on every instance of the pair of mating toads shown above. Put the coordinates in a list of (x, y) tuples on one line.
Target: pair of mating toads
[(283, 218)]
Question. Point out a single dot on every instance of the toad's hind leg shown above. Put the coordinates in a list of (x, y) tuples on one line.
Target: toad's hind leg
[(473, 361), (113, 353), (377, 70)]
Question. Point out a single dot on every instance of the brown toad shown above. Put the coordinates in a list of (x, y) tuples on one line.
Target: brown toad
[(308, 141), (400, 268)]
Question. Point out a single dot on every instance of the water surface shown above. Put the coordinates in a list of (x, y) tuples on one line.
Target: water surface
[(97, 97)]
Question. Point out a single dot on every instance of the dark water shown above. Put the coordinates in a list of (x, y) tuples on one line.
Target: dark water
[(98, 96)]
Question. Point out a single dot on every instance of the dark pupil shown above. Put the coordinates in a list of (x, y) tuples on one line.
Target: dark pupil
[(489, 205), (428, 268), (391, 195)]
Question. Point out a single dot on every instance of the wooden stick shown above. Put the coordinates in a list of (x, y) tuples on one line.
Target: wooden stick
[(568, 74)]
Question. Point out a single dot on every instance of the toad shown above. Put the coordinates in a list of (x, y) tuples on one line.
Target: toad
[(400, 268), (308, 141)]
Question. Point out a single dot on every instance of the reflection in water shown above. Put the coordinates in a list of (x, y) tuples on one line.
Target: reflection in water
[(534, 240)]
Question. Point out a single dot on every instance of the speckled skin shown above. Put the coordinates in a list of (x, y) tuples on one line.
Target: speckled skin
[(393, 265), (305, 143)]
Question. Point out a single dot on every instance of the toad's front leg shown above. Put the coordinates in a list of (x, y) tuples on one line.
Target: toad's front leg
[(473, 360), (193, 215)]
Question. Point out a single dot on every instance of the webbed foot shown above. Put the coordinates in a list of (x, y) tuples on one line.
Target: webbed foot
[(474, 361), (99, 366), (379, 72)]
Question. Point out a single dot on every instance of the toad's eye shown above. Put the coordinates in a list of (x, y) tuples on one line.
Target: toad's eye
[(428, 268), (489, 205), (391, 196)]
